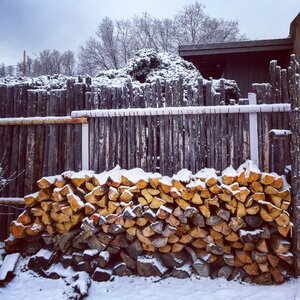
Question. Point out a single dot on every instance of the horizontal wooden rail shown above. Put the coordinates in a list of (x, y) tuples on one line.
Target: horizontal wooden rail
[(187, 110), (12, 201), (42, 120)]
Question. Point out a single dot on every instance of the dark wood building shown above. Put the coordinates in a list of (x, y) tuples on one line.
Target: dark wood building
[(246, 62)]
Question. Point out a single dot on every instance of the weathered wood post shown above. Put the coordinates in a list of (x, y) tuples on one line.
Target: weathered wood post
[(294, 90)]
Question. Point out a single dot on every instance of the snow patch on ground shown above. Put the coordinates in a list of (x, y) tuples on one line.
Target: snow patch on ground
[(28, 286)]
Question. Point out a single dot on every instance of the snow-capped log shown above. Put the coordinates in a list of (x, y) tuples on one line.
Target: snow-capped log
[(124, 222)]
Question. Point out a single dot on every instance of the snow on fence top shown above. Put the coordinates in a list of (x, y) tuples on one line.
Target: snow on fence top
[(146, 67), (187, 110)]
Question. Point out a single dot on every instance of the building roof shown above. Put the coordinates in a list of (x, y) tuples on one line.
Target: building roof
[(293, 25), (236, 47)]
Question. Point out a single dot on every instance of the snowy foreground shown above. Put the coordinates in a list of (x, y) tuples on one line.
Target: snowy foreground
[(28, 285)]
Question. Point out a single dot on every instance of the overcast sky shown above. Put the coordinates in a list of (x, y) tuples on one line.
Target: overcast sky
[(34, 25)]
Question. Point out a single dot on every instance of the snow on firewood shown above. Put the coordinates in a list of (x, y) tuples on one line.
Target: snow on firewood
[(230, 172), (67, 174), (230, 188), (114, 173), (46, 181), (128, 213), (90, 252), (250, 232), (150, 212), (153, 261), (208, 175), (285, 186), (75, 202), (280, 132), (250, 166), (165, 209), (121, 215), (84, 174), (183, 175), (166, 180), (105, 255), (101, 178), (136, 174), (200, 183)]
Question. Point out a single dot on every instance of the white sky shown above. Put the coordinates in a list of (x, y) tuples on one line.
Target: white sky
[(34, 25)]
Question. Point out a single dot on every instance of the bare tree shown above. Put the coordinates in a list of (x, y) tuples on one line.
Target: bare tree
[(116, 41), (166, 35), (10, 70), (106, 33), (68, 62), (29, 65), (2, 70), (126, 40), (194, 26), (100, 52), (49, 62), (146, 31), (190, 24)]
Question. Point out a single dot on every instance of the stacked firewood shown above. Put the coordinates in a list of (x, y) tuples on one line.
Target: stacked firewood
[(235, 225)]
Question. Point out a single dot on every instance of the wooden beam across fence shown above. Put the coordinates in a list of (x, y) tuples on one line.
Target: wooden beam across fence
[(42, 121), (186, 110), (12, 201), (252, 109)]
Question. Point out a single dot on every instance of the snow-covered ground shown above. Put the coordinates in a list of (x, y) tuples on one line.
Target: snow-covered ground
[(28, 285)]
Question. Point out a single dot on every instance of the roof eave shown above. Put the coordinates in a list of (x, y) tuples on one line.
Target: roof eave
[(236, 47)]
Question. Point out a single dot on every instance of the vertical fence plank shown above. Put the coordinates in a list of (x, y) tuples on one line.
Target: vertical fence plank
[(150, 133), (202, 132), (69, 138), (8, 131), (40, 134), (79, 91), (125, 124), (208, 124), (154, 129), (30, 146), (51, 148), (62, 143), (180, 125), (175, 121), (13, 160), (224, 121), (294, 91)]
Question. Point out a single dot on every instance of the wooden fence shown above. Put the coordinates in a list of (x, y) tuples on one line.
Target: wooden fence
[(156, 143)]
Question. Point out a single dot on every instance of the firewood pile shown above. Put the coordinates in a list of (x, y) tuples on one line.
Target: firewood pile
[(123, 222)]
